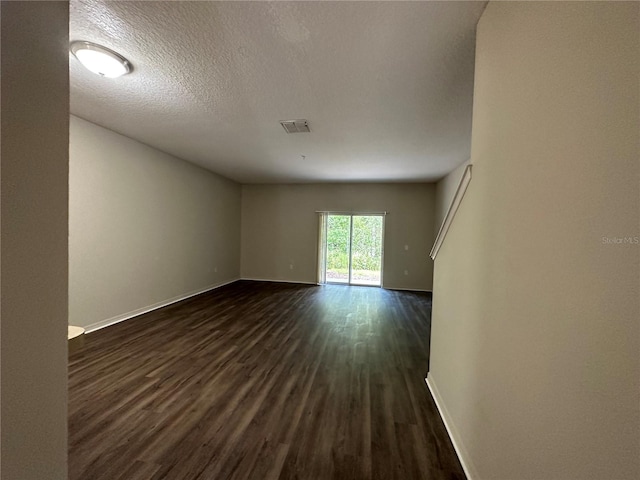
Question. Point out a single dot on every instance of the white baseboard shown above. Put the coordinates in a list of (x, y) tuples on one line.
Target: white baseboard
[(467, 465), (126, 316), (278, 281), (407, 289), (329, 283)]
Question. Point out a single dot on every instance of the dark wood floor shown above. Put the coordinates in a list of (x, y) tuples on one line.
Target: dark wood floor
[(261, 381)]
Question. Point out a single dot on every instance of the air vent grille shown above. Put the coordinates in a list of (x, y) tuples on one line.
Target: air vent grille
[(295, 126)]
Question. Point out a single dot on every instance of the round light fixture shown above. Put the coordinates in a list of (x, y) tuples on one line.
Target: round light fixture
[(100, 60)]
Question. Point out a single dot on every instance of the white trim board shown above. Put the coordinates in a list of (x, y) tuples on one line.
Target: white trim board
[(451, 212), (140, 311), (278, 281), (465, 460), (400, 289)]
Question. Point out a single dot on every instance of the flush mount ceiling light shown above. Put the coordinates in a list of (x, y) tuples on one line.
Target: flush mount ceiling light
[(100, 60)]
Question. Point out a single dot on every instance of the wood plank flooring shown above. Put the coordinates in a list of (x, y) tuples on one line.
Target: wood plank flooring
[(261, 380)]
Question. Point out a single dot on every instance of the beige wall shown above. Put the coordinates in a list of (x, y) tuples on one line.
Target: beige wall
[(33, 258), (144, 227), (445, 190), (280, 228), (536, 318)]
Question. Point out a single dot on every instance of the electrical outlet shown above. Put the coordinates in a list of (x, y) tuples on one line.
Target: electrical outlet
[(406, 247), (215, 269), (291, 266), (406, 272)]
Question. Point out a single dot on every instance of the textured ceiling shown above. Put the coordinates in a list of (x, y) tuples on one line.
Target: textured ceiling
[(386, 87)]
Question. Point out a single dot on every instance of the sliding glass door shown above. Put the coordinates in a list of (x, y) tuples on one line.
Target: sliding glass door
[(351, 249)]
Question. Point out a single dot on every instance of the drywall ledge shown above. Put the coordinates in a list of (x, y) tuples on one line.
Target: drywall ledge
[(126, 316), (468, 467), (451, 213)]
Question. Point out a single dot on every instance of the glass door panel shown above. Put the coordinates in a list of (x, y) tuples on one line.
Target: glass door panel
[(366, 250), (338, 248)]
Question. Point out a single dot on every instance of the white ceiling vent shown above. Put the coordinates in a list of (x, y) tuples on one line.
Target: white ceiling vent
[(295, 126)]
